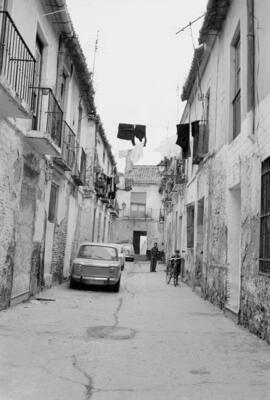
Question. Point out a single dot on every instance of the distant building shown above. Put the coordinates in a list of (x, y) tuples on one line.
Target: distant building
[(140, 207)]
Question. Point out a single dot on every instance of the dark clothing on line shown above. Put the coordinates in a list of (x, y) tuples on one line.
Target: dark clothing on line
[(183, 139), (140, 133), (126, 132)]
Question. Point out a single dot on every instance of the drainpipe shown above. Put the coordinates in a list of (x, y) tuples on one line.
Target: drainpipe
[(251, 64), (97, 121)]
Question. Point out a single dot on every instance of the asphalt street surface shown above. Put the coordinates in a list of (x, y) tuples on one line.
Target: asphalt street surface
[(150, 341)]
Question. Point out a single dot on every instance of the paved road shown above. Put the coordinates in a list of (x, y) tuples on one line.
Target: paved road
[(149, 342)]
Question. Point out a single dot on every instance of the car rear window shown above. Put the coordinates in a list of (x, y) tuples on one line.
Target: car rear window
[(98, 252)]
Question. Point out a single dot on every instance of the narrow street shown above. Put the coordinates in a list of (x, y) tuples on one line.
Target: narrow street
[(150, 341)]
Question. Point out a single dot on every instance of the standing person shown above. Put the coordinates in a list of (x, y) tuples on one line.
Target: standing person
[(154, 256), (177, 259)]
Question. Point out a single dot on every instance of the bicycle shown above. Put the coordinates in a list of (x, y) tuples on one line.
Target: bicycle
[(171, 270)]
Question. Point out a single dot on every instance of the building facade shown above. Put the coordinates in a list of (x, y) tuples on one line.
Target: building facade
[(48, 142), (224, 204), (140, 205)]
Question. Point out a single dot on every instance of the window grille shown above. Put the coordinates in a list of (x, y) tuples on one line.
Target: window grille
[(264, 261), (53, 202), (190, 226)]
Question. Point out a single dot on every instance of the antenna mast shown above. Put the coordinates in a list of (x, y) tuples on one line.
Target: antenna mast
[(95, 53)]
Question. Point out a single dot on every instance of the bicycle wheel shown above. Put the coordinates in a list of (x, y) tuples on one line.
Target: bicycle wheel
[(175, 277), (168, 274)]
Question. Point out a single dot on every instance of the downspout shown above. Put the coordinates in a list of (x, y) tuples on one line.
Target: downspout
[(97, 120), (251, 65)]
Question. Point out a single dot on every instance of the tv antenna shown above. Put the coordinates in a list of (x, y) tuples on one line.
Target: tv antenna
[(95, 53)]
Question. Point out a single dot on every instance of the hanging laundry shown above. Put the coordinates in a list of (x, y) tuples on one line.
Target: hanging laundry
[(123, 153), (126, 132), (136, 153), (140, 133), (183, 139)]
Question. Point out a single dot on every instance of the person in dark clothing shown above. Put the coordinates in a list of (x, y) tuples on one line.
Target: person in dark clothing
[(154, 252), (177, 259)]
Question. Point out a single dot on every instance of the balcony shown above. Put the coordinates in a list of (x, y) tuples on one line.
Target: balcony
[(79, 170), (146, 213), (68, 149), (46, 133), (17, 70)]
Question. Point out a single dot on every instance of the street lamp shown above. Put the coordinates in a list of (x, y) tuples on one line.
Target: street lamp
[(161, 167)]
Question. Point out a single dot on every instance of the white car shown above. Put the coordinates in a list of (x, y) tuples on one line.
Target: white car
[(96, 264), (121, 254), (128, 251)]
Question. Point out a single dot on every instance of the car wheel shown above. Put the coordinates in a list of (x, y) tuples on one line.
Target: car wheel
[(73, 284), (116, 287)]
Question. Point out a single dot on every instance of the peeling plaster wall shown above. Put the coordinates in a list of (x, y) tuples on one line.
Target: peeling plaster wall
[(234, 164), (11, 171)]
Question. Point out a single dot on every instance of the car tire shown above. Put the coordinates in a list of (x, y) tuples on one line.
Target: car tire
[(116, 287), (73, 284)]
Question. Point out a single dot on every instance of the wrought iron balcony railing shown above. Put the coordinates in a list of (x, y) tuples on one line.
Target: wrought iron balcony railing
[(48, 115), (68, 148), (139, 213), (17, 64)]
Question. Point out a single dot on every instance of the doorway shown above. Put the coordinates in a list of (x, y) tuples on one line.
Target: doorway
[(234, 249), (199, 243), (140, 242)]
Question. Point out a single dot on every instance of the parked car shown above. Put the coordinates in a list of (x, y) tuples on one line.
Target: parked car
[(129, 251), (121, 254), (96, 264)]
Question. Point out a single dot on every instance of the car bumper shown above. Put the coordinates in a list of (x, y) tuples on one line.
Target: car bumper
[(87, 280)]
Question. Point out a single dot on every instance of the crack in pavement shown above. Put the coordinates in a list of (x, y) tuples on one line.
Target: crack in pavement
[(89, 387), (115, 314)]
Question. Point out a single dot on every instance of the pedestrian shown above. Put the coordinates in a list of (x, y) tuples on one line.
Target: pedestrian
[(177, 259), (154, 252)]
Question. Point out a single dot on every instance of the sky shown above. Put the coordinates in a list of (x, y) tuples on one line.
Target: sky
[(140, 65)]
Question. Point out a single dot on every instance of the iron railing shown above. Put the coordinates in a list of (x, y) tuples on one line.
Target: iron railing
[(264, 260), (79, 170), (140, 213), (17, 64), (68, 145), (48, 115)]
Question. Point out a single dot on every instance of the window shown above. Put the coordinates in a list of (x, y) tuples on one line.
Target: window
[(36, 98), (63, 89), (53, 202), (138, 204), (200, 133), (98, 252), (236, 101), (190, 226), (264, 261)]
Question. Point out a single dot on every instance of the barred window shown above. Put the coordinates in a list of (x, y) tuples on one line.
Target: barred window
[(264, 261), (190, 226), (53, 202)]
